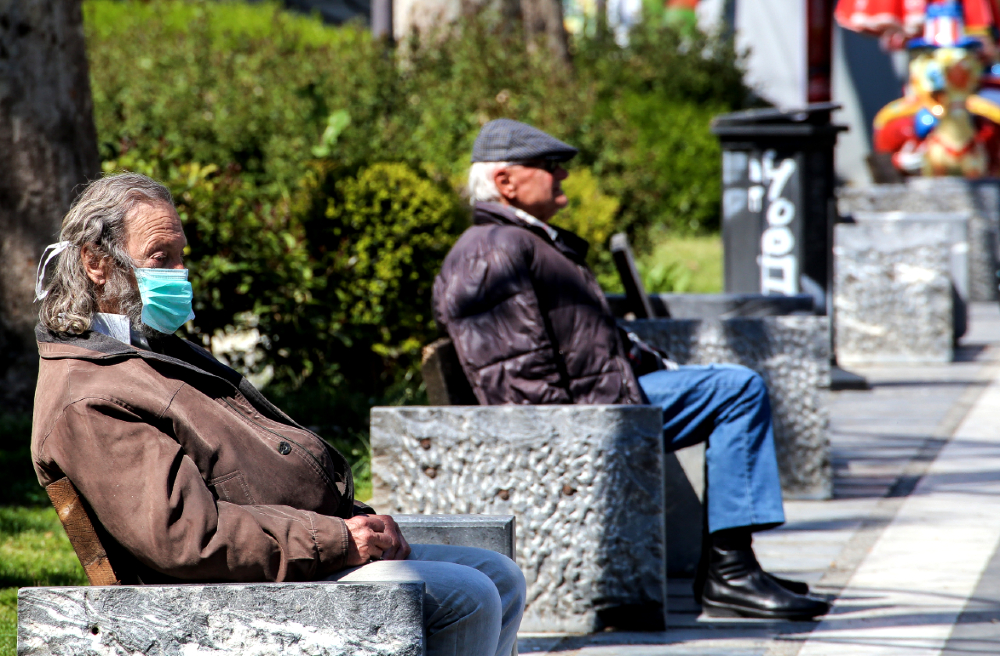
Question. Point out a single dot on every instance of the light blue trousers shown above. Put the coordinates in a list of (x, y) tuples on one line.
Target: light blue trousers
[(726, 406), (474, 598)]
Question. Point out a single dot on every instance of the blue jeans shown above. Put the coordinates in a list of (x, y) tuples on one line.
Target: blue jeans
[(726, 406), (473, 602)]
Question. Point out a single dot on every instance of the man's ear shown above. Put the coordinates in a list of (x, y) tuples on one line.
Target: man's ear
[(94, 264), (506, 186)]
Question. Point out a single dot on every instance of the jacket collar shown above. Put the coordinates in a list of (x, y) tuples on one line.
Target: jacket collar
[(571, 245), (90, 345), (169, 350)]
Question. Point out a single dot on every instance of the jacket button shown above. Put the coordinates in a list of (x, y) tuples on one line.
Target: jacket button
[(284, 448)]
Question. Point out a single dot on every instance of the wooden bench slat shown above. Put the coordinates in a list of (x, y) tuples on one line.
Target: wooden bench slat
[(86, 543)]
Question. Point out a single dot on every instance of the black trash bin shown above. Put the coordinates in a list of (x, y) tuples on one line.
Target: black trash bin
[(777, 200)]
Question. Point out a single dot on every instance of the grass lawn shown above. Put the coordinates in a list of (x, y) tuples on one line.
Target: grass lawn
[(683, 264), (34, 550)]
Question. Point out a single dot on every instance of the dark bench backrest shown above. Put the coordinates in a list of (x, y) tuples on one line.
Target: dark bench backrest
[(635, 292), (443, 376), (81, 527)]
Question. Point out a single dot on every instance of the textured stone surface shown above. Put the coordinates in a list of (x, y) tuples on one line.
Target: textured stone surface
[(893, 294), (979, 197), (792, 355), (719, 306), (314, 619), (584, 482), (957, 225), (493, 532)]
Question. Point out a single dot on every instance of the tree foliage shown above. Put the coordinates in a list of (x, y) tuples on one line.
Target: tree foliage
[(317, 174)]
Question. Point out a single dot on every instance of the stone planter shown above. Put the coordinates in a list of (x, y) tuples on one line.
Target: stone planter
[(893, 300), (585, 484), (980, 198), (792, 355)]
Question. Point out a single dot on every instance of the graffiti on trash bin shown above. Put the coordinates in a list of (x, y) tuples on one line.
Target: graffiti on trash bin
[(768, 178)]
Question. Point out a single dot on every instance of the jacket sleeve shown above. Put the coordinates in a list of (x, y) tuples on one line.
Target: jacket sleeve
[(156, 504), (488, 304)]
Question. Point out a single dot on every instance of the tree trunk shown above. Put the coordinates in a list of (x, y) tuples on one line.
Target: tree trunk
[(48, 147), (544, 19)]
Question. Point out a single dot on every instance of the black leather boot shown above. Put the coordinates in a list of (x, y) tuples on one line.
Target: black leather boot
[(798, 587), (700, 574), (736, 586)]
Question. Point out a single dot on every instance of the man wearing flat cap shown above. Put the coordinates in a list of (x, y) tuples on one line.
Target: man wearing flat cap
[(531, 325)]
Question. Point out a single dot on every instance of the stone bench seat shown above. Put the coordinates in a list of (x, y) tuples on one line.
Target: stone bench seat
[(316, 618), (604, 514), (253, 619), (957, 226)]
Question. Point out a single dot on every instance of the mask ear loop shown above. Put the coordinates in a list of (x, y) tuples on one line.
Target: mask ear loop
[(43, 263)]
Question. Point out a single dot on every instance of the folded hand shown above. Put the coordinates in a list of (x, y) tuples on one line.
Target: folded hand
[(374, 537)]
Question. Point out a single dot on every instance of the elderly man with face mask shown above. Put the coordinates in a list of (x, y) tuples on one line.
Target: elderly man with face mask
[(530, 324), (189, 468)]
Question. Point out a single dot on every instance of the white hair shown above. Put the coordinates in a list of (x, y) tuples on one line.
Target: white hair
[(482, 187)]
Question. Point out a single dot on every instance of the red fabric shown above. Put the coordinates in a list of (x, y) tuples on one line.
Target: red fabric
[(876, 17), (894, 135), (879, 16), (980, 15)]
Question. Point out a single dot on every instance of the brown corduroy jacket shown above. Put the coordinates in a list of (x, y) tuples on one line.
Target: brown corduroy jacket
[(529, 322), (186, 465)]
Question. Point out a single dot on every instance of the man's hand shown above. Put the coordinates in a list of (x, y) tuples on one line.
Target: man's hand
[(374, 537), (400, 549)]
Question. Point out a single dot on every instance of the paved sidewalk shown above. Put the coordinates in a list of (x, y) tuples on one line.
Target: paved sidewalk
[(908, 547)]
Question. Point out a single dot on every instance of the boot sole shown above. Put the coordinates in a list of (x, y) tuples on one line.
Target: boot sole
[(723, 610)]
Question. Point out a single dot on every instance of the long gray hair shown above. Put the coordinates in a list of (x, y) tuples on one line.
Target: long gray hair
[(97, 218)]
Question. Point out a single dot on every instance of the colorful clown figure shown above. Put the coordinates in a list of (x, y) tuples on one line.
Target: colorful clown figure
[(941, 126)]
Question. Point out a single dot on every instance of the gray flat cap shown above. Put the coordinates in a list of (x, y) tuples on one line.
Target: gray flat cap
[(505, 140)]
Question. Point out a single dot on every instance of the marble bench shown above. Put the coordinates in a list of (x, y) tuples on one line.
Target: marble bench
[(253, 619), (315, 619), (311, 619), (791, 353)]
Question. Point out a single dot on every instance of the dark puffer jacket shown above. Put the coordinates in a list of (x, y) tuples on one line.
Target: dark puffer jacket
[(528, 319)]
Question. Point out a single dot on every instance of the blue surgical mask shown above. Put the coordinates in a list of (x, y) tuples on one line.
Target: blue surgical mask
[(166, 298)]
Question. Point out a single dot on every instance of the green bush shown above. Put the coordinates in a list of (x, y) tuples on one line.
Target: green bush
[(593, 215), (376, 238), (650, 143), (316, 172)]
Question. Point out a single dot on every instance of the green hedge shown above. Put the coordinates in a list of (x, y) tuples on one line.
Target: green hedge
[(317, 172)]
